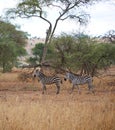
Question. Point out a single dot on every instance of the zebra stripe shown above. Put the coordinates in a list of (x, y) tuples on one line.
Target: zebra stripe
[(47, 80), (79, 80)]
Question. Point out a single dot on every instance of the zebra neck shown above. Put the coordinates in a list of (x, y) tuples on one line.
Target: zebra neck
[(41, 75), (72, 77)]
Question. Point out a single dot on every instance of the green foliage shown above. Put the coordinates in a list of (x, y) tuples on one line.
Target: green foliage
[(104, 54), (12, 44), (7, 56), (61, 46), (82, 53), (37, 52), (65, 9)]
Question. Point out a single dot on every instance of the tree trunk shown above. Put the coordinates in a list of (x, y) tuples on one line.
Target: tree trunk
[(47, 40), (3, 66), (44, 54)]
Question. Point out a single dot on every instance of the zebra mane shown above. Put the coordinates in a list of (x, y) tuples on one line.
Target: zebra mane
[(74, 74)]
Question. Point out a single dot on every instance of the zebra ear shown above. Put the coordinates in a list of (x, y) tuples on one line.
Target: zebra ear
[(38, 69), (66, 69)]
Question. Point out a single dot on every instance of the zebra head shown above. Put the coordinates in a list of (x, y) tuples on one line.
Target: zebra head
[(67, 75), (36, 73)]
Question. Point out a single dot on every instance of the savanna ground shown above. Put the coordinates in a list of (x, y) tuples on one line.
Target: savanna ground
[(23, 107)]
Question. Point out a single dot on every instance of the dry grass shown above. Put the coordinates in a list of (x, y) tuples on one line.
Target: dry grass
[(47, 114), (23, 107)]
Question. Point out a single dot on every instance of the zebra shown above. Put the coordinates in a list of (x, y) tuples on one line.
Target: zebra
[(47, 80), (79, 80)]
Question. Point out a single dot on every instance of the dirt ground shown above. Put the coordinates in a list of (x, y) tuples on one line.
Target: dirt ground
[(24, 107), (11, 87)]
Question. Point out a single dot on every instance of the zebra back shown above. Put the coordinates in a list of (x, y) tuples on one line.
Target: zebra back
[(47, 79), (78, 79)]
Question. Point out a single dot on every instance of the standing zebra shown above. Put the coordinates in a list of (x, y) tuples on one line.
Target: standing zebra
[(47, 80), (79, 80)]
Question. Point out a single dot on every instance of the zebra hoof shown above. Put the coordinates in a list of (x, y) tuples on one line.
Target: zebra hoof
[(93, 92), (70, 92), (88, 93), (79, 93)]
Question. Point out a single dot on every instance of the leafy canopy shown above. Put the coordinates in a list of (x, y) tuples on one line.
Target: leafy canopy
[(12, 42), (37, 53), (66, 9), (80, 52)]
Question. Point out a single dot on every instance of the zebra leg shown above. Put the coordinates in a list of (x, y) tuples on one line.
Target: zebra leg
[(44, 88), (90, 86), (58, 89), (78, 89), (92, 89), (72, 89)]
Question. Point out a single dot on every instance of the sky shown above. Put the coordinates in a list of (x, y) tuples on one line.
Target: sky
[(102, 19)]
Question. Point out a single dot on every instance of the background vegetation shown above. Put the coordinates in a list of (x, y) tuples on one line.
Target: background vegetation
[(12, 43), (23, 107), (78, 52)]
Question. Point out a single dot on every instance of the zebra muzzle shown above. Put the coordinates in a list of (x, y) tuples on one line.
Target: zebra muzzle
[(65, 79), (34, 75)]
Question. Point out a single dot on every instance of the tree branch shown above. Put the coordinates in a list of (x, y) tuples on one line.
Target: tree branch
[(56, 6)]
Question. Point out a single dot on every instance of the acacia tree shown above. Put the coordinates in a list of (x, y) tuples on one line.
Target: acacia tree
[(82, 53), (37, 8), (12, 42)]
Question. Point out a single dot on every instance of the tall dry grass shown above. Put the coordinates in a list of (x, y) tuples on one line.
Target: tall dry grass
[(22, 108), (57, 114)]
